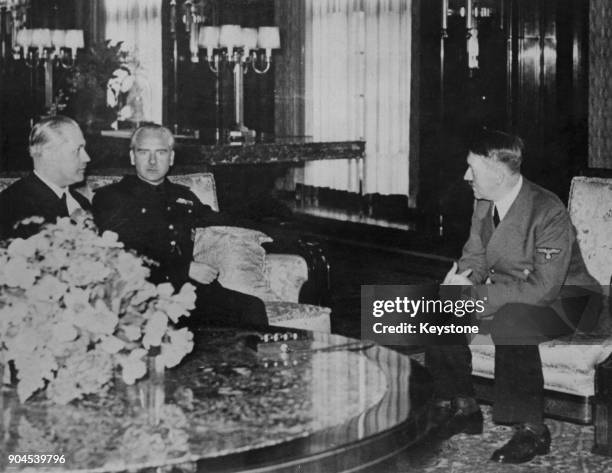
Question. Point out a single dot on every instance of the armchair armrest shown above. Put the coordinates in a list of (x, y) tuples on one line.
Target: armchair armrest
[(286, 274)]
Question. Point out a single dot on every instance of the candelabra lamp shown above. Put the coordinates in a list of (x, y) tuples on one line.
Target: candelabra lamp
[(240, 49), (45, 47)]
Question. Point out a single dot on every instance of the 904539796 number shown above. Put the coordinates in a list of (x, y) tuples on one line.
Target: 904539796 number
[(36, 459)]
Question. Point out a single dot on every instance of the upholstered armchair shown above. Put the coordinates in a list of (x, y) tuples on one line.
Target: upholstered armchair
[(569, 364)]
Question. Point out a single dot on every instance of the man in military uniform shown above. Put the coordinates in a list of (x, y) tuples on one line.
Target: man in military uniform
[(57, 148), (523, 259), (158, 219)]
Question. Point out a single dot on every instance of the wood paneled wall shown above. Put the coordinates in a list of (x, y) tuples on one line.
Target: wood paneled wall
[(600, 86), (289, 98)]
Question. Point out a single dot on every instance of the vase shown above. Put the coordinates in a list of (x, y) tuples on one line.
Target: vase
[(147, 395)]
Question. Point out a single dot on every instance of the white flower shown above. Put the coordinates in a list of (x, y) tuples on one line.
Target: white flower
[(125, 113), (64, 332), (127, 83), (165, 289), (154, 330), (110, 240), (181, 343), (176, 305), (47, 287), (18, 273), (21, 247), (111, 344), (111, 95), (73, 304), (132, 332), (133, 366)]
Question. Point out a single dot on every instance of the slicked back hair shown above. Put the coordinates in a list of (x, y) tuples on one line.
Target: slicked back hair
[(499, 146), (151, 128), (49, 131)]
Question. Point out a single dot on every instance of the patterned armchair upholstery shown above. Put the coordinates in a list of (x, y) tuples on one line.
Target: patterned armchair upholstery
[(569, 364), (286, 273)]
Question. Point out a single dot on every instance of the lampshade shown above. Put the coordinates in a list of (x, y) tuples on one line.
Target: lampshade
[(41, 38), (230, 37), (209, 37), (58, 38), (74, 39), (23, 38), (268, 37), (249, 38)]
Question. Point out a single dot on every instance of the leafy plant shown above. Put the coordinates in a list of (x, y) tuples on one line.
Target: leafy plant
[(85, 85)]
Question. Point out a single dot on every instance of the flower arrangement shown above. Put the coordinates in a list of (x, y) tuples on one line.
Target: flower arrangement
[(75, 306), (128, 94), (117, 90)]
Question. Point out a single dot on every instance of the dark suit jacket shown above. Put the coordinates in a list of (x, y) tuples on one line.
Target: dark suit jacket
[(532, 257), (30, 197), (157, 221)]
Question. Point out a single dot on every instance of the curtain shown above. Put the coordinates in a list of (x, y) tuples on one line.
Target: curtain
[(357, 87), (138, 23)]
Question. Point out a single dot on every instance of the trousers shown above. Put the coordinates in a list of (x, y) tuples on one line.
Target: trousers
[(516, 330), (216, 305)]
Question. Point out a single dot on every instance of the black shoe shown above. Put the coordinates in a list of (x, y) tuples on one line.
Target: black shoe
[(460, 422), (524, 445)]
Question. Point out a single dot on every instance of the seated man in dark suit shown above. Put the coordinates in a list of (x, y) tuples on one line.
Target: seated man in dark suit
[(57, 148), (158, 219)]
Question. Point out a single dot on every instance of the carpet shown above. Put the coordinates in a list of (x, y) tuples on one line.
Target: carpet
[(570, 452)]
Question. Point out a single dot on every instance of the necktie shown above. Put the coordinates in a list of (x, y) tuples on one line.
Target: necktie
[(495, 217), (64, 206)]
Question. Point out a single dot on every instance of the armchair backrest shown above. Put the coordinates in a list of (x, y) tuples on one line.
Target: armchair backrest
[(202, 184), (590, 208)]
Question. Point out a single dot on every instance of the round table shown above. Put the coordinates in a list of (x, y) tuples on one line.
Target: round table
[(284, 400)]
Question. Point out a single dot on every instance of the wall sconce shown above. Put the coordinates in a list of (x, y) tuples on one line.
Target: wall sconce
[(42, 44), (471, 11)]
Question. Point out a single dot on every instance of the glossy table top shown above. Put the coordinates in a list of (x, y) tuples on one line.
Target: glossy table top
[(240, 400)]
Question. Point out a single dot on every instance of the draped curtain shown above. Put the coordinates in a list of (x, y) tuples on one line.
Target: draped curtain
[(138, 23), (357, 87)]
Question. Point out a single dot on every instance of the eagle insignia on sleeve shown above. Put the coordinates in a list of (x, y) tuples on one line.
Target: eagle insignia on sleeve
[(548, 252)]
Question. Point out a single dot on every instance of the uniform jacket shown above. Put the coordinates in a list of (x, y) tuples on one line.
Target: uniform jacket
[(532, 256), (157, 221), (30, 197)]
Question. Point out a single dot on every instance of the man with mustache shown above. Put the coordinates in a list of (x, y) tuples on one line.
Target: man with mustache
[(522, 258), (57, 148), (158, 218)]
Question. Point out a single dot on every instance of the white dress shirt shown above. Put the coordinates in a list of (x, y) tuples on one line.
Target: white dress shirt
[(504, 204)]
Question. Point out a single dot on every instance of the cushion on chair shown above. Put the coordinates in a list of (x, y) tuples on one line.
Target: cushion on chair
[(286, 274), (568, 364), (238, 255), (590, 208)]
